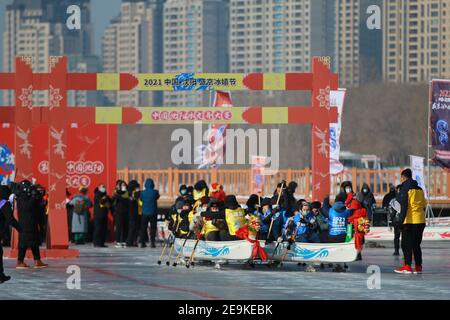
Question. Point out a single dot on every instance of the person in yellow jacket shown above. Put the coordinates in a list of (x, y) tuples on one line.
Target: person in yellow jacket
[(195, 219), (214, 220), (234, 217), (412, 219)]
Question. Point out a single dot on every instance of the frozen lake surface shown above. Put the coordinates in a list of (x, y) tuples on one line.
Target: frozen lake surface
[(133, 273)]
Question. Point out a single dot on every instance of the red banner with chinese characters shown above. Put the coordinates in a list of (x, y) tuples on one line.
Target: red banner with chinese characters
[(91, 158)]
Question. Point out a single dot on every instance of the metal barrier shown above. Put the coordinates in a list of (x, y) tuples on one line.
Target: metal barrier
[(238, 182)]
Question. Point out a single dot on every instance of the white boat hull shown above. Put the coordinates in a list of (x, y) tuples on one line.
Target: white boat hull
[(216, 250), (242, 250), (314, 252)]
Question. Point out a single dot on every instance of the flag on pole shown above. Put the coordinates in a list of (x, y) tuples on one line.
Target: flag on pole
[(417, 169), (212, 154), (337, 98)]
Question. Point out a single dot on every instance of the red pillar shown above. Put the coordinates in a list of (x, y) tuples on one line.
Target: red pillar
[(23, 149), (57, 153), (323, 82)]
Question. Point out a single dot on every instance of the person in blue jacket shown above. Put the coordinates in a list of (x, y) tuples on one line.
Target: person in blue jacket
[(337, 219), (149, 197), (305, 223)]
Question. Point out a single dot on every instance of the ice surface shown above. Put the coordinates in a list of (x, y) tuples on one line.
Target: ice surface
[(133, 273)]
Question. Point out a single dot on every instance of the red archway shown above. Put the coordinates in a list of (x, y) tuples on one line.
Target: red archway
[(58, 116)]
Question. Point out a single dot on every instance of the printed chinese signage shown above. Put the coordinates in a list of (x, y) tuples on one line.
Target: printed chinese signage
[(439, 121)]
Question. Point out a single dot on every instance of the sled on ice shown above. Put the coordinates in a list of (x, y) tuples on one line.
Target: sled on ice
[(243, 250)]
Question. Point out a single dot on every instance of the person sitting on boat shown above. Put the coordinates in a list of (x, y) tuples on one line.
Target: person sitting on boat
[(183, 218), (265, 215), (214, 220), (234, 216), (200, 190), (195, 219), (253, 204), (322, 221), (279, 216), (359, 219), (173, 216), (337, 218), (305, 223)]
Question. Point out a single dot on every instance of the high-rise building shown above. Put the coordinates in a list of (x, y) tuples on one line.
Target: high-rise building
[(416, 40), (279, 35), (132, 43), (38, 28), (358, 48), (195, 40)]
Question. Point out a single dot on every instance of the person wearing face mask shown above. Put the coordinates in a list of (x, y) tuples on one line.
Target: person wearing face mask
[(102, 205), (368, 200), (149, 197), (322, 221), (121, 206), (185, 194), (305, 222), (346, 188), (133, 218), (6, 219)]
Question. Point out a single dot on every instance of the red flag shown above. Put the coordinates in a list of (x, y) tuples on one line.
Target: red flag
[(213, 153)]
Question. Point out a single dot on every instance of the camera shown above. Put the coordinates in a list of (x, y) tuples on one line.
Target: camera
[(25, 189)]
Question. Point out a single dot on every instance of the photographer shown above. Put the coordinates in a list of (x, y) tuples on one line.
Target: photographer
[(6, 219), (28, 199)]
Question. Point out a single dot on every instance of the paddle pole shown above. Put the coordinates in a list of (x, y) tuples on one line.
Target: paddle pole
[(289, 245), (271, 222), (164, 249), (195, 247), (173, 243), (181, 250)]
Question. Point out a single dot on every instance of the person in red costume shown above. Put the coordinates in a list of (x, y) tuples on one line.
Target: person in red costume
[(359, 219), (217, 192)]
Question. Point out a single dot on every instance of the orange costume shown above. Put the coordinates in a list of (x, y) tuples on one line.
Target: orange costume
[(217, 192)]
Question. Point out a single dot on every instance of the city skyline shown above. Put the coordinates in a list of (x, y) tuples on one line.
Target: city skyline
[(358, 54)]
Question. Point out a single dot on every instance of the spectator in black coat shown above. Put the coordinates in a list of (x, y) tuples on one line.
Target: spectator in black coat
[(134, 189), (102, 206), (6, 219), (121, 207), (389, 196), (27, 207)]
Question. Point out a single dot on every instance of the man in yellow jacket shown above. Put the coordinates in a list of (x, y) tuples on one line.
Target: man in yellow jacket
[(412, 218)]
